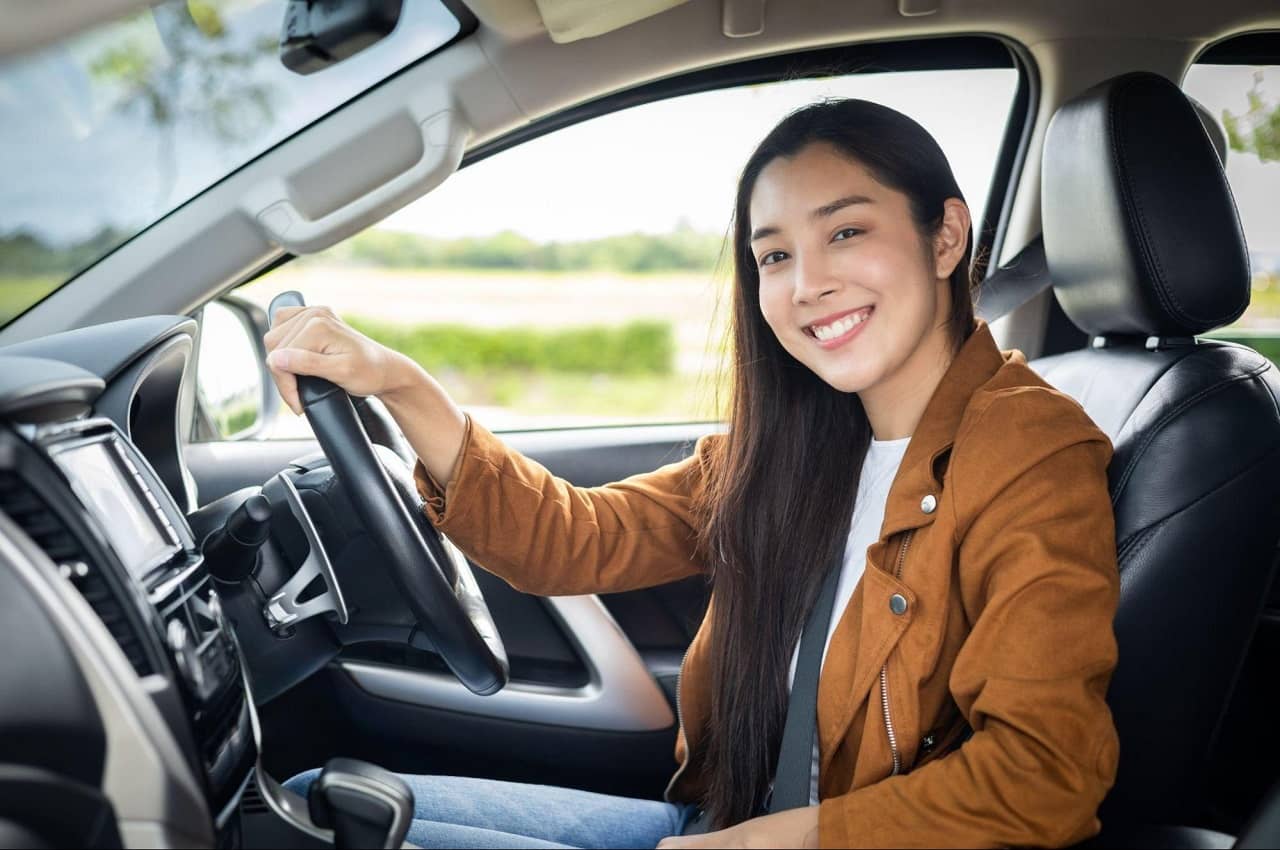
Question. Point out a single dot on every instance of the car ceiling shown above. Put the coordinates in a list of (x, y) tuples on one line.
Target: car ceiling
[(510, 72)]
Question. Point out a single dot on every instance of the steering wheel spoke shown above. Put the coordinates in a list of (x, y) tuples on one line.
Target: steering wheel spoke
[(284, 609)]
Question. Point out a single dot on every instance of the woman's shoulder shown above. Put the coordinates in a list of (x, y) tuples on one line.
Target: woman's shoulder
[(1016, 397), (1016, 419)]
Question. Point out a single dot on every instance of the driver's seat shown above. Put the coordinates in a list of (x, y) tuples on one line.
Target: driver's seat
[(1145, 251)]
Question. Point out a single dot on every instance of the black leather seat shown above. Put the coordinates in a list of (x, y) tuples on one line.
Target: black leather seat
[(1145, 251)]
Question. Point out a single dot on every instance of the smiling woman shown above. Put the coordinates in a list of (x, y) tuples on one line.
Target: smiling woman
[(891, 509)]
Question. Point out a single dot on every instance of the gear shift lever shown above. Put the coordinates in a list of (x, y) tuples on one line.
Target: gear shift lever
[(364, 805)]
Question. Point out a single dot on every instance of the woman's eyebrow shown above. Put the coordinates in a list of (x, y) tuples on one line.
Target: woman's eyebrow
[(821, 212), (837, 205)]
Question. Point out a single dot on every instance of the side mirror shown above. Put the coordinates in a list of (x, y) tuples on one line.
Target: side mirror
[(235, 395)]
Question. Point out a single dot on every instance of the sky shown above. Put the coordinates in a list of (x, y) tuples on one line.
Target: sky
[(650, 167), (74, 158)]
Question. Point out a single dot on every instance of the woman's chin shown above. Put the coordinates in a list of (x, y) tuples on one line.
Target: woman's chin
[(848, 381)]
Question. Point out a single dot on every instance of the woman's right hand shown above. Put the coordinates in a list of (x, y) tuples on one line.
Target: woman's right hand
[(314, 341)]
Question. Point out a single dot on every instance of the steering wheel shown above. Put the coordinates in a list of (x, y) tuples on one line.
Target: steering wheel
[(441, 592)]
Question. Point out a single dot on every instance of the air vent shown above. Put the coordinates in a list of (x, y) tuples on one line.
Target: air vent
[(252, 802), (49, 532)]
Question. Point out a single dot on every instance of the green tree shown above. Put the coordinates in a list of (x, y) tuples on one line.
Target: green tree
[(1257, 130), (196, 76)]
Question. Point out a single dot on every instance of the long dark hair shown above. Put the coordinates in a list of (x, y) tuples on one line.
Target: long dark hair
[(784, 483)]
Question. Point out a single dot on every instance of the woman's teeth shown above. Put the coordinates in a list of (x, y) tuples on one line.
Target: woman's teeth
[(841, 326)]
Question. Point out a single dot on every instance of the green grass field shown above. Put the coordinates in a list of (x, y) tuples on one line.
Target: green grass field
[(623, 372), (17, 293), (635, 398)]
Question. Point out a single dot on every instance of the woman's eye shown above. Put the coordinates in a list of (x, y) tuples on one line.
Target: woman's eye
[(846, 233), (773, 257)]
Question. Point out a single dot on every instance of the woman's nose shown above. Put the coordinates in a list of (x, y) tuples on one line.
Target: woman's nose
[(813, 281)]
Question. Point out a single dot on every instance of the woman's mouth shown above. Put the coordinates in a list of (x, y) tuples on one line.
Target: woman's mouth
[(835, 331)]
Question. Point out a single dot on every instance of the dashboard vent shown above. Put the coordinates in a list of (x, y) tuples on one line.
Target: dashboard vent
[(252, 803), (51, 534)]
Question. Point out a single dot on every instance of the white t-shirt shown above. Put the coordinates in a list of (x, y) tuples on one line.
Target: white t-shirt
[(878, 471)]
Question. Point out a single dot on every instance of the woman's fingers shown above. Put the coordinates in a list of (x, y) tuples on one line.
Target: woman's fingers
[(299, 361), (300, 344), (316, 325), (287, 363), (290, 320), (282, 319)]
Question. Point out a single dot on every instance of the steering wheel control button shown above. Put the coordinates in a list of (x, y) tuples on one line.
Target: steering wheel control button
[(929, 504), (898, 604)]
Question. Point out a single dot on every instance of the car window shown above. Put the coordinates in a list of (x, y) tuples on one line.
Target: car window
[(573, 279), (108, 132), (1246, 100)]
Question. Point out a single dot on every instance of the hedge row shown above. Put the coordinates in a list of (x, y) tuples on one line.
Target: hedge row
[(641, 347)]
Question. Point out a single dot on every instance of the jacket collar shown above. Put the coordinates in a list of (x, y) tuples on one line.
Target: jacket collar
[(974, 365)]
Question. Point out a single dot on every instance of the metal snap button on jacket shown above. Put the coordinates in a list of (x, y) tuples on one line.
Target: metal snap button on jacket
[(898, 603), (928, 504)]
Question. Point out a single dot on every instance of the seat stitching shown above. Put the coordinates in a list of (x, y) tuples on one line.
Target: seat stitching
[(1133, 210), (1140, 538), (1173, 412)]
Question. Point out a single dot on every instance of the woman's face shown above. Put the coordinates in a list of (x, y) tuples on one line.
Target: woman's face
[(847, 282)]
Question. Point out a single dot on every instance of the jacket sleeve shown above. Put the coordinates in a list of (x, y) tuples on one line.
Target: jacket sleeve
[(545, 536), (1036, 556)]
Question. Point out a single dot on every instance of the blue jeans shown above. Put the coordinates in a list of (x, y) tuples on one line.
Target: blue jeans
[(459, 811)]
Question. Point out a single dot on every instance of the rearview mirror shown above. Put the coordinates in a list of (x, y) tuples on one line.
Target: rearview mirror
[(319, 33)]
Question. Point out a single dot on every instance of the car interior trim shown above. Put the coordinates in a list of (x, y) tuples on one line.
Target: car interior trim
[(621, 696), (149, 782)]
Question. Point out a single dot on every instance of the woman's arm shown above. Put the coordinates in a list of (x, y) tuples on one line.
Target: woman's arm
[(508, 513), (546, 536)]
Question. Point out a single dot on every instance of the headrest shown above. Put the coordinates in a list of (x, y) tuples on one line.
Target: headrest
[(1140, 228), (1216, 132)]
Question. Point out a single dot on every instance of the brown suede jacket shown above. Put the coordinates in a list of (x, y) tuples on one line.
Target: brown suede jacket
[(998, 534)]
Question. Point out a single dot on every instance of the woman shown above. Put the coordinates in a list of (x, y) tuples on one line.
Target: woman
[(875, 426)]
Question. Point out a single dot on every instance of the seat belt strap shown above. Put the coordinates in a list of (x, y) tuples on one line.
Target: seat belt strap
[(795, 756), (1015, 283)]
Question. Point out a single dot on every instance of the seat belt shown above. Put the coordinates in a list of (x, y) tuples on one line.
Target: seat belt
[(795, 756), (790, 788), (1015, 283)]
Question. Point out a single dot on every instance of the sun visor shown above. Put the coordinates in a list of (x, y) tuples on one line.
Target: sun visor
[(571, 20)]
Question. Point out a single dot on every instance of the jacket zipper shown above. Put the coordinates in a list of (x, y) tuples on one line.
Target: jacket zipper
[(688, 756), (884, 673)]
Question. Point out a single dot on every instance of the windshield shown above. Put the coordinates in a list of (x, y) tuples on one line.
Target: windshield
[(106, 133)]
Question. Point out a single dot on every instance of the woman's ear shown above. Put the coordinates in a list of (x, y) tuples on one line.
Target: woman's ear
[(952, 237)]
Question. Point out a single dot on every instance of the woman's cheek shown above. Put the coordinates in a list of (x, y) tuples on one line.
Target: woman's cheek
[(775, 304)]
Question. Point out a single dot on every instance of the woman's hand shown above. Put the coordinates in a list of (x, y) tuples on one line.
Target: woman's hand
[(792, 828), (314, 341)]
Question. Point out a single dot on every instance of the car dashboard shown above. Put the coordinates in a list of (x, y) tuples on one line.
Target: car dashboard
[(94, 497)]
